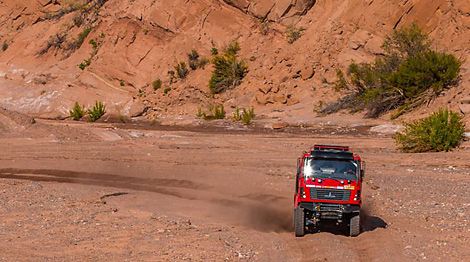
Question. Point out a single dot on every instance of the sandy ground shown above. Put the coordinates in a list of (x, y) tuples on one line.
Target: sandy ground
[(106, 192)]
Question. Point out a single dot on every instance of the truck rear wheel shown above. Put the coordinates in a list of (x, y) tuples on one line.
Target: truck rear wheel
[(299, 222), (355, 225)]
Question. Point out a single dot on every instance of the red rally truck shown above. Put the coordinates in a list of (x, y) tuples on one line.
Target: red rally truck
[(328, 187)]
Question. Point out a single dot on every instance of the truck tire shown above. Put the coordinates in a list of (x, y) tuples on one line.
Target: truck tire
[(299, 222), (355, 225)]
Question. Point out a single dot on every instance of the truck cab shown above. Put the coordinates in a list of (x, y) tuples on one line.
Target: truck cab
[(328, 187)]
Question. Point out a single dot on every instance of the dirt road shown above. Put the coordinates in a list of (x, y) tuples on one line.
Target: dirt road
[(121, 193)]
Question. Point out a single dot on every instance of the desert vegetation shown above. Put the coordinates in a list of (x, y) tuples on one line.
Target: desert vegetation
[(245, 116), (98, 110), (157, 84), (214, 112), (95, 47), (181, 70), (85, 15), (441, 131), (408, 76), (228, 70), (293, 33), (77, 112), (195, 61)]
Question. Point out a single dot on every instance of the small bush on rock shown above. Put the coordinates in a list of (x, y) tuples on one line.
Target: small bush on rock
[(248, 115), (193, 59), (77, 112), (97, 112), (293, 33), (228, 71), (181, 70), (441, 131), (217, 112), (236, 115), (157, 84)]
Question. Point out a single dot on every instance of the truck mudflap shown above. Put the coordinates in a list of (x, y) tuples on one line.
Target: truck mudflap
[(330, 207)]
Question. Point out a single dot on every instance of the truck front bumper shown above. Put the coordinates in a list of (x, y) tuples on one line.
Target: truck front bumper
[(329, 210)]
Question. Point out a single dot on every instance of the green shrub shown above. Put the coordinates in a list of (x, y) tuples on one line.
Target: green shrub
[(199, 113), (441, 131), (166, 90), (193, 59), (181, 70), (203, 62), (293, 33), (85, 64), (145, 31), (236, 115), (78, 19), (340, 82), (428, 70), (99, 109), (407, 76), (172, 76), (82, 36), (157, 84), (245, 116), (194, 62), (56, 41), (216, 112), (248, 115), (219, 113), (93, 43), (77, 112), (228, 71)]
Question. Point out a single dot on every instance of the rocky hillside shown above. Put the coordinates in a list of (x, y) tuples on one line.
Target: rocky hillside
[(123, 46)]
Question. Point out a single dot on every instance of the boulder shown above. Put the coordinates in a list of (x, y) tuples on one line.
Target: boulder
[(465, 100), (279, 98), (464, 109), (279, 125), (358, 39), (292, 101), (308, 72), (261, 99), (138, 109)]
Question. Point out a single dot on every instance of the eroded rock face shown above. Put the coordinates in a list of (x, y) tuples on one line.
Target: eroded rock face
[(274, 10), (141, 41)]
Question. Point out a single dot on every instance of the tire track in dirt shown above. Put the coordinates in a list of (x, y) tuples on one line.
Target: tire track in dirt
[(250, 210)]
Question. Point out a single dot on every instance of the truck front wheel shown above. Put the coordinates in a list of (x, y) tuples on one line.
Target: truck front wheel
[(355, 225), (299, 222)]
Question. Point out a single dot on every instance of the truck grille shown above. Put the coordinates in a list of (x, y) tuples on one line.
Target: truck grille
[(330, 194)]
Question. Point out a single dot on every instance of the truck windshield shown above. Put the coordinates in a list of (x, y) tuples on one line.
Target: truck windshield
[(326, 168)]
